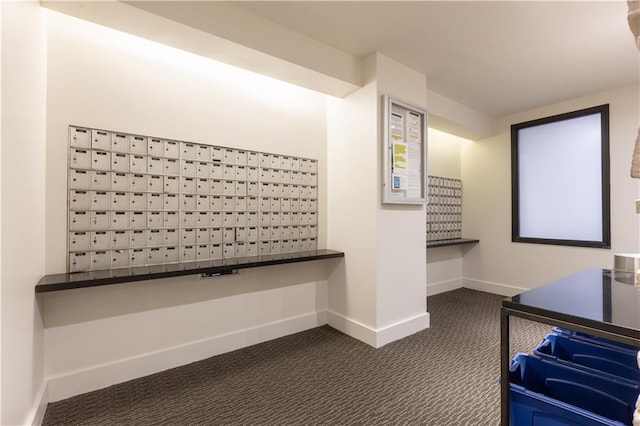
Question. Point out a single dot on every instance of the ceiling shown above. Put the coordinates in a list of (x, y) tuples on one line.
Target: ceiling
[(495, 57)]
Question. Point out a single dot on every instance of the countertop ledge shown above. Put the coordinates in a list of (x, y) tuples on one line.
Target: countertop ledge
[(69, 281)]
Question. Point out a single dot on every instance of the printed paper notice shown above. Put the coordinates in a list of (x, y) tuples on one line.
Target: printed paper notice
[(414, 176), (400, 165), (414, 132), (397, 127), (400, 157)]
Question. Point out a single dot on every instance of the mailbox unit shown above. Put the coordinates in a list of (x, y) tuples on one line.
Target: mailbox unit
[(138, 200)]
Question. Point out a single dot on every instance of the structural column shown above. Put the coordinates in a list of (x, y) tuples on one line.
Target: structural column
[(379, 294)]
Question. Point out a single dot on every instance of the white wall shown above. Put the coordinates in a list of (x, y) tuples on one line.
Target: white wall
[(444, 264), (105, 79), (352, 152), (22, 175), (445, 154), (497, 264)]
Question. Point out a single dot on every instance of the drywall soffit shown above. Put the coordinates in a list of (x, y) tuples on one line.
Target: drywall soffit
[(457, 119), (132, 20), (457, 129)]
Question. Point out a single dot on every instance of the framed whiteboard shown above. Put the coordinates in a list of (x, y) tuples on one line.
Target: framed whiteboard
[(404, 153)]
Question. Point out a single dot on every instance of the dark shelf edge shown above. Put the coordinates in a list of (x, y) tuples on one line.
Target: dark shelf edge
[(70, 281), (453, 242)]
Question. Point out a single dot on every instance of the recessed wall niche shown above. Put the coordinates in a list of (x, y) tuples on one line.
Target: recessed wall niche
[(138, 200)]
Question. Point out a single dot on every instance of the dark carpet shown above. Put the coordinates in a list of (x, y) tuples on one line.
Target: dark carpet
[(445, 375)]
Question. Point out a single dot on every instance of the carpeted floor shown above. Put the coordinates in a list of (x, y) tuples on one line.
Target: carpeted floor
[(445, 375)]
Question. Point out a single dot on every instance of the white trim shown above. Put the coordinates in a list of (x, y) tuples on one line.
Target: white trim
[(444, 286), (380, 337), (352, 328), (36, 414), (402, 329), (495, 288), (101, 376), (322, 317)]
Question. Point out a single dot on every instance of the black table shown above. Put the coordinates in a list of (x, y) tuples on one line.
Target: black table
[(600, 302)]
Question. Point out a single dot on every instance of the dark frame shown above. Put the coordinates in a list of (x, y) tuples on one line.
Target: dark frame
[(605, 241)]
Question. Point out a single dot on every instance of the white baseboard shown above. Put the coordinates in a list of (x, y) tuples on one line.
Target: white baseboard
[(444, 286), (495, 288), (102, 376), (352, 328), (402, 329), (36, 414), (380, 337)]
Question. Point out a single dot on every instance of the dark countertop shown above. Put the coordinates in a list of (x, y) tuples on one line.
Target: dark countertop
[(68, 281), (452, 242)]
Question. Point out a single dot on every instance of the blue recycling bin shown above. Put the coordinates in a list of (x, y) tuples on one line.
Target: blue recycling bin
[(594, 339), (543, 392), (612, 359)]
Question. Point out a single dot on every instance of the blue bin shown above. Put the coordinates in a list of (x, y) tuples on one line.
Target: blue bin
[(595, 339), (529, 408), (615, 360), (546, 393)]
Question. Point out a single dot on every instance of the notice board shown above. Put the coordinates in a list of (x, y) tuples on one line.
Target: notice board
[(404, 153)]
